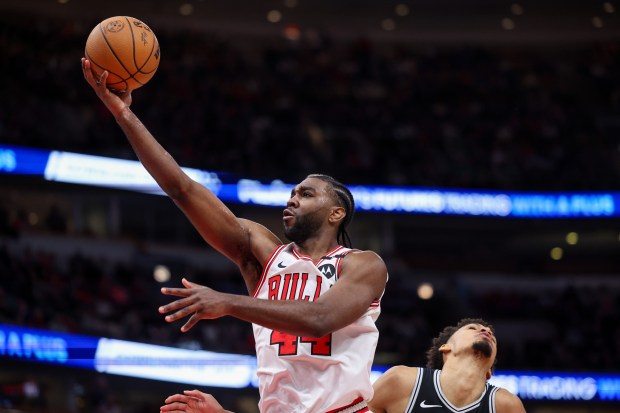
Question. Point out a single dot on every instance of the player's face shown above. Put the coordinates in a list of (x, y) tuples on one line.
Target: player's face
[(306, 210), (476, 337)]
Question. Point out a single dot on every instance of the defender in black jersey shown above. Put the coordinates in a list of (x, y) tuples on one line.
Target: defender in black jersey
[(459, 363)]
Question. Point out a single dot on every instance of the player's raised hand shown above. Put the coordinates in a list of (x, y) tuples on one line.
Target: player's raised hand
[(114, 102), (192, 401), (197, 300)]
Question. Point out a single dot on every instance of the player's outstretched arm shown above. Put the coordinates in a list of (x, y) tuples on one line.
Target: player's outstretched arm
[(192, 401), (245, 244), (362, 280)]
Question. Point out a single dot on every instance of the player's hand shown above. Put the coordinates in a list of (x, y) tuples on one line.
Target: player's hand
[(198, 301), (192, 401), (114, 101)]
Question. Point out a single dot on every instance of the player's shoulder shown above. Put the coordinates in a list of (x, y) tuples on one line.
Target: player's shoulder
[(507, 402), (392, 389), (400, 374), (364, 256), (365, 264)]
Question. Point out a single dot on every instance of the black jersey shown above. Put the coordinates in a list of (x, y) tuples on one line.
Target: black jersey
[(427, 396)]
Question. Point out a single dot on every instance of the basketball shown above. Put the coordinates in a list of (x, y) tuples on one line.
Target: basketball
[(127, 48)]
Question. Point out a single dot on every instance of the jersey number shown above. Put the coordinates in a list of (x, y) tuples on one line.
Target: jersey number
[(288, 344)]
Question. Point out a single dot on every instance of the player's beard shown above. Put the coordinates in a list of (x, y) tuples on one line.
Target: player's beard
[(304, 227), (483, 347)]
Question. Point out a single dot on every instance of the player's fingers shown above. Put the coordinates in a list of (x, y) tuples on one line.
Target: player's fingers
[(181, 305), (177, 292), (85, 66), (126, 97), (88, 73), (173, 407), (177, 398), (183, 312), (188, 284), (196, 393), (102, 79), (190, 323)]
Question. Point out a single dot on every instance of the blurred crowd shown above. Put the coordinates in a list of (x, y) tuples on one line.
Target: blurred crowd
[(508, 118), (566, 328)]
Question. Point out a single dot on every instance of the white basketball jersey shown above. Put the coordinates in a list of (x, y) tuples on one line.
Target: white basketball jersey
[(305, 374)]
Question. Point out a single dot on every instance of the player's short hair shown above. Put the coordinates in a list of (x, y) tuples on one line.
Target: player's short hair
[(344, 198), (434, 357)]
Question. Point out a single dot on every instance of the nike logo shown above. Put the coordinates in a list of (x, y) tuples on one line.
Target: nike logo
[(426, 406), (280, 265)]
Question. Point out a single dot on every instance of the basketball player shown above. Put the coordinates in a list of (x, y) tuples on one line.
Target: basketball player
[(313, 301), (459, 363)]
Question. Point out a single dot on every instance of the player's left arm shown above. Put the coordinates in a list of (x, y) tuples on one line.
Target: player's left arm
[(362, 280), (506, 402)]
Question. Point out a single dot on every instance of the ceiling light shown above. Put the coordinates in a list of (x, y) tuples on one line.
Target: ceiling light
[(608, 7), (517, 9), (556, 253), (597, 22), (508, 23), (572, 238), (186, 9), (274, 16), (161, 273), (388, 25), (401, 10), (425, 291)]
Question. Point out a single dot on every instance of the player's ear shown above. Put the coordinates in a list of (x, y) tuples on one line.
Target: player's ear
[(445, 348), (337, 214), (489, 374)]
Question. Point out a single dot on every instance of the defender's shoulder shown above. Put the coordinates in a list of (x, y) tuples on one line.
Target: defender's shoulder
[(507, 402)]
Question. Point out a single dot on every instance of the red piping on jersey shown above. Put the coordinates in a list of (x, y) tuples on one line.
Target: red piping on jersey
[(356, 401), (329, 254), (339, 263), (308, 258), (266, 266)]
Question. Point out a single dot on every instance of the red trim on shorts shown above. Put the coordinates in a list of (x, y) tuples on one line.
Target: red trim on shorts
[(266, 266), (364, 408)]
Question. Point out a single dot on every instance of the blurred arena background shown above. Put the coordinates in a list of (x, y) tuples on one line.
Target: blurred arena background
[(467, 95)]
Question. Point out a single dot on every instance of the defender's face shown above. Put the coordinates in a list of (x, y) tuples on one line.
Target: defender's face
[(477, 337), (307, 209)]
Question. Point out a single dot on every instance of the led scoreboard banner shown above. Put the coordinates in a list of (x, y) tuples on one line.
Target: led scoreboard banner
[(560, 386), (207, 368), (83, 169), (127, 358)]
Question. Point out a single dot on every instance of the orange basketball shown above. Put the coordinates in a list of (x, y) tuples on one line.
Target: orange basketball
[(127, 48)]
